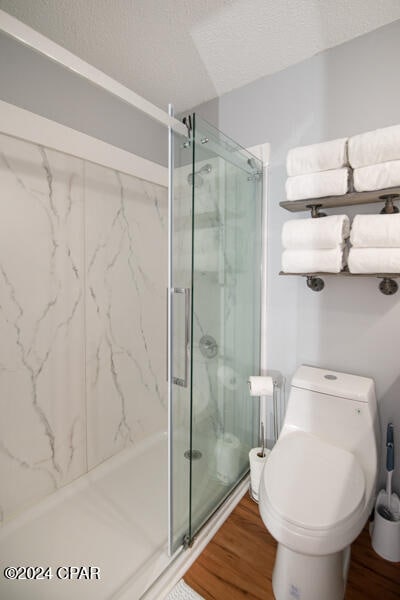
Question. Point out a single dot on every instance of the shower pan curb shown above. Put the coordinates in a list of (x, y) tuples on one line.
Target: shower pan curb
[(179, 565)]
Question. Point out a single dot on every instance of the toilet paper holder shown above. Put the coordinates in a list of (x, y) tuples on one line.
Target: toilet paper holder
[(263, 386)]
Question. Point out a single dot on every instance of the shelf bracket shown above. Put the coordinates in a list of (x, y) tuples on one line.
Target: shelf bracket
[(388, 286), (316, 284), (315, 214), (389, 208)]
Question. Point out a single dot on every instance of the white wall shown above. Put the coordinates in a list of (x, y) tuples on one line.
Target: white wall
[(350, 326)]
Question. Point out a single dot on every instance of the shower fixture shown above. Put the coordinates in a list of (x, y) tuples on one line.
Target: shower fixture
[(198, 181), (208, 346)]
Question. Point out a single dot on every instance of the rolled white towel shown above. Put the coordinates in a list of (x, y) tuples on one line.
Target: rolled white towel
[(308, 234), (372, 147), (376, 231), (317, 157), (377, 177), (313, 261), (318, 185), (374, 260)]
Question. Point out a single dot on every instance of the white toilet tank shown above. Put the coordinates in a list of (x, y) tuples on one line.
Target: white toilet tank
[(339, 408)]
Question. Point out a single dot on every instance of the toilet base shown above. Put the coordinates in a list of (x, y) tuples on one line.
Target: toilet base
[(305, 577)]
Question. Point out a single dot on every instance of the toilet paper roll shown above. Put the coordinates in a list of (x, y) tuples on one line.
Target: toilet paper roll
[(261, 386), (227, 454), (256, 466), (228, 377)]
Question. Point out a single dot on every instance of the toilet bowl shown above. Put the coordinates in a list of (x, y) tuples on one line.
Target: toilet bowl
[(318, 486)]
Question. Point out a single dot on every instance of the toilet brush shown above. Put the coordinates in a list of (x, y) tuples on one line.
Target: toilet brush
[(388, 504), (389, 463)]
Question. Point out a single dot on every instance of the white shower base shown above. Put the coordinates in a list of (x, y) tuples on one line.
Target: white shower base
[(113, 518)]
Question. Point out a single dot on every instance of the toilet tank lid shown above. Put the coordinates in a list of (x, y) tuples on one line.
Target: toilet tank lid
[(342, 385)]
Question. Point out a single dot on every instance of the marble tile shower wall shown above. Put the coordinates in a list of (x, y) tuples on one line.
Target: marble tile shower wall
[(126, 249), (82, 318)]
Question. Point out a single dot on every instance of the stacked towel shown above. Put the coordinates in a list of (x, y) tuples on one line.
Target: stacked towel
[(377, 177), (374, 260), (375, 157), (376, 231), (314, 261), (375, 244), (317, 157), (375, 147), (318, 185), (317, 234), (318, 170), (313, 245)]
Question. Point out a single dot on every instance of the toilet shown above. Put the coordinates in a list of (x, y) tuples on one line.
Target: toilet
[(318, 486)]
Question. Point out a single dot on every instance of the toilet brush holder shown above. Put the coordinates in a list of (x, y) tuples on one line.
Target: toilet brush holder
[(386, 535)]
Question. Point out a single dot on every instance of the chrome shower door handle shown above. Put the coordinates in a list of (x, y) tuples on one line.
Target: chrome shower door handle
[(183, 382)]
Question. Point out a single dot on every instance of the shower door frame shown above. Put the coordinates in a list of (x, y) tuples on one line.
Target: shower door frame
[(262, 152)]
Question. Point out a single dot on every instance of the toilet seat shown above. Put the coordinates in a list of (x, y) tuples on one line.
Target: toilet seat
[(312, 484)]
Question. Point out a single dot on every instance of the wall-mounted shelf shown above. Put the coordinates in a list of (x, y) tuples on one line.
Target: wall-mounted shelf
[(350, 199), (387, 286)]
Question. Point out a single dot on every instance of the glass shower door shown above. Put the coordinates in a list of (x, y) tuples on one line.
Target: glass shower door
[(226, 281), (216, 275)]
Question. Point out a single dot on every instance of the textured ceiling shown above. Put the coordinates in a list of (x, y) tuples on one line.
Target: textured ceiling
[(189, 51)]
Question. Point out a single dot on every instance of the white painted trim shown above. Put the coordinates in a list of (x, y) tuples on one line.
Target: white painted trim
[(264, 289), (262, 152), (28, 36), (26, 125), (178, 567)]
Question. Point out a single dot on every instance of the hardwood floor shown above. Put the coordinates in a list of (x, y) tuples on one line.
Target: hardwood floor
[(237, 564)]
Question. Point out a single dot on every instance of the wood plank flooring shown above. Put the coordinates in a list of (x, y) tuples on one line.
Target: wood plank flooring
[(237, 564)]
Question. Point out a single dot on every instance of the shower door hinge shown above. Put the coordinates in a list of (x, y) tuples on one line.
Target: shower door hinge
[(189, 126), (188, 122)]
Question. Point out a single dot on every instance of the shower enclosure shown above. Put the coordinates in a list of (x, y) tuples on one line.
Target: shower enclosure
[(118, 442), (84, 440), (214, 321)]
